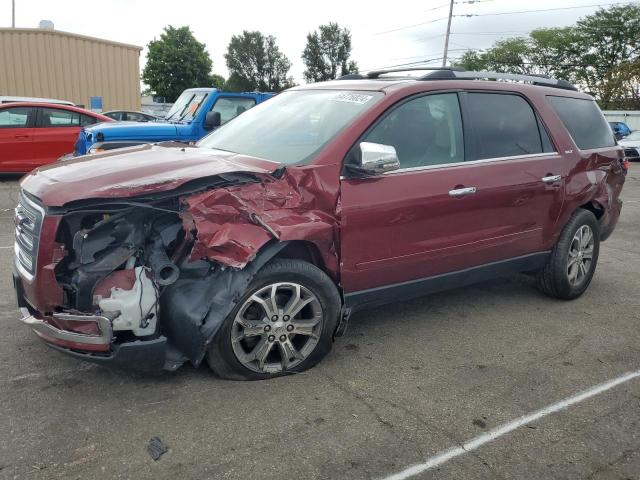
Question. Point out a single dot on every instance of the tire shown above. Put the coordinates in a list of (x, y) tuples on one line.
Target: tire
[(229, 357), (557, 279)]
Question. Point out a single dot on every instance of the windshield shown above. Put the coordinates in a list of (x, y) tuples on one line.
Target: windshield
[(291, 127), (633, 136), (186, 106)]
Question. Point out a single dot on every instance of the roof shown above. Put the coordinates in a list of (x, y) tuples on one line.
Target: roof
[(45, 31), (58, 106), (14, 99), (376, 85), (393, 84), (453, 78)]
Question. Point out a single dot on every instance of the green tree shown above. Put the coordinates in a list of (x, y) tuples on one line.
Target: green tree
[(471, 60), (610, 41), (175, 62), (256, 63), (217, 81), (599, 54), (327, 52)]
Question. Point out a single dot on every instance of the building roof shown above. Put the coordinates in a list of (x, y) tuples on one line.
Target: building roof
[(46, 31)]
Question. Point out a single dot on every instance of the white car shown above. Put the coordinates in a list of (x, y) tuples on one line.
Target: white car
[(631, 144), (8, 99)]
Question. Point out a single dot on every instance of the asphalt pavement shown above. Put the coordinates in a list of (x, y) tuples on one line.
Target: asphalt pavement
[(406, 382)]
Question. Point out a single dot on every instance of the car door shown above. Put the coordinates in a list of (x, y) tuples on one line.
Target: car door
[(16, 139), (454, 203), (57, 131)]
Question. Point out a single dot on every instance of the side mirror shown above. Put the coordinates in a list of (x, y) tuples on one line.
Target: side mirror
[(212, 120), (375, 159)]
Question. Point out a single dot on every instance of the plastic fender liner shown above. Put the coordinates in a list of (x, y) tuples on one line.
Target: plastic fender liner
[(194, 307)]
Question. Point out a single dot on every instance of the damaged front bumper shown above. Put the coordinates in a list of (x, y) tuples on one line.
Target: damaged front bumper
[(94, 342), (148, 356)]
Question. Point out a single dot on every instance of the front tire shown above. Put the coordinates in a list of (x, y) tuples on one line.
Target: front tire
[(282, 324), (573, 260)]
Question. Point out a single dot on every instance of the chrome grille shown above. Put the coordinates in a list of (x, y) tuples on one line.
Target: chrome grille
[(28, 221), (631, 152)]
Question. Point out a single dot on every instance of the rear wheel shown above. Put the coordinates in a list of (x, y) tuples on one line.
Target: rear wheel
[(573, 261), (283, 323)]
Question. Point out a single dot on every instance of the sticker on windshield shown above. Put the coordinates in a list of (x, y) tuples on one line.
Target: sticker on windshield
[(358, 98)]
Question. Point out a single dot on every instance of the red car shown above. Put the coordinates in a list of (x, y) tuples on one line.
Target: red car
[(252, 248), (34, 134)]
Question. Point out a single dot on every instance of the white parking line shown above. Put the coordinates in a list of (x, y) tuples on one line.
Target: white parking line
[(10, 246), (492, 435)]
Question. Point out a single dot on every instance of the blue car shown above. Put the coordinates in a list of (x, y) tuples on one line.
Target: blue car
[(620, 129), (195, 113)]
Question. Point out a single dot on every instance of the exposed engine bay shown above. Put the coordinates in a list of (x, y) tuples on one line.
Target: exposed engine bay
[(171, 266)]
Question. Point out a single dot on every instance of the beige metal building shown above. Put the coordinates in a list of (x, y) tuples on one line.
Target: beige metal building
[(37, 62)]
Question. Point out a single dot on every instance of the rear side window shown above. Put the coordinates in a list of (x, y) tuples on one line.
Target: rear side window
[(505, 125), (87, 120), (14, 117), (584, 121), (52, 117)]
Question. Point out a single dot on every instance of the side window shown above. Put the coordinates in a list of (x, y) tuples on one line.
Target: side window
[(14, 117), (585, 122), (52, 117), (135, 117), (87, 120), (231, 107), (504, 125), (424, 131)]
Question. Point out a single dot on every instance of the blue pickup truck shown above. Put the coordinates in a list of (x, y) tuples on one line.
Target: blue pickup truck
[(195, 113)]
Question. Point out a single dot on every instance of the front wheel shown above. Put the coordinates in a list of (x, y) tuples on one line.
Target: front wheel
[(573, 261), (282, 324)]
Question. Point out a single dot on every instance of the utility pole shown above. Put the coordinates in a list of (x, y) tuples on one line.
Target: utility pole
[(13, 13), (446, 40)]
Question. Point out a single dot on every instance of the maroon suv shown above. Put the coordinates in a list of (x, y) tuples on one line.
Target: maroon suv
[(252, 248)]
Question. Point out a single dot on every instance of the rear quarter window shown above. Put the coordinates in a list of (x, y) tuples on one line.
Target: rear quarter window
[(584, 121), (505, 125)]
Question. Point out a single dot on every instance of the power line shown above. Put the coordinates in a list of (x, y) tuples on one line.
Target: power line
[(412, 26), (540, 10), (457, 3), (610, 27), (410, 64), (500, 13)]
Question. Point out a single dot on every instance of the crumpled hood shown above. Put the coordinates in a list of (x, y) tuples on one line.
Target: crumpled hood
[(133, 130), (134, 171)]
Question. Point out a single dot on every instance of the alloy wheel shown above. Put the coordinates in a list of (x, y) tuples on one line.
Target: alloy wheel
[(277, 327), (580, 255)]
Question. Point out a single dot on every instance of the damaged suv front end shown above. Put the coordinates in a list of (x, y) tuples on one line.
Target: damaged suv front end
[(135, 258), (91, 275)]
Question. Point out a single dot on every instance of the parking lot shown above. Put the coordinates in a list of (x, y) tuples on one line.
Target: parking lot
[(406, 382)]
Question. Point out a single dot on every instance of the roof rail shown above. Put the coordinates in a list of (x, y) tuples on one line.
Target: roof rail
[(376, 73), (453, 74)]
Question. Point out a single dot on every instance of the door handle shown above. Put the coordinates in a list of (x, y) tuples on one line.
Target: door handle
[(21, 136), (462, 192), (551, 178)]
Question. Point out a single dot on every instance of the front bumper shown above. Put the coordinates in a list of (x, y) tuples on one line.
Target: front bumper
[(65, 338), (147, 356)]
